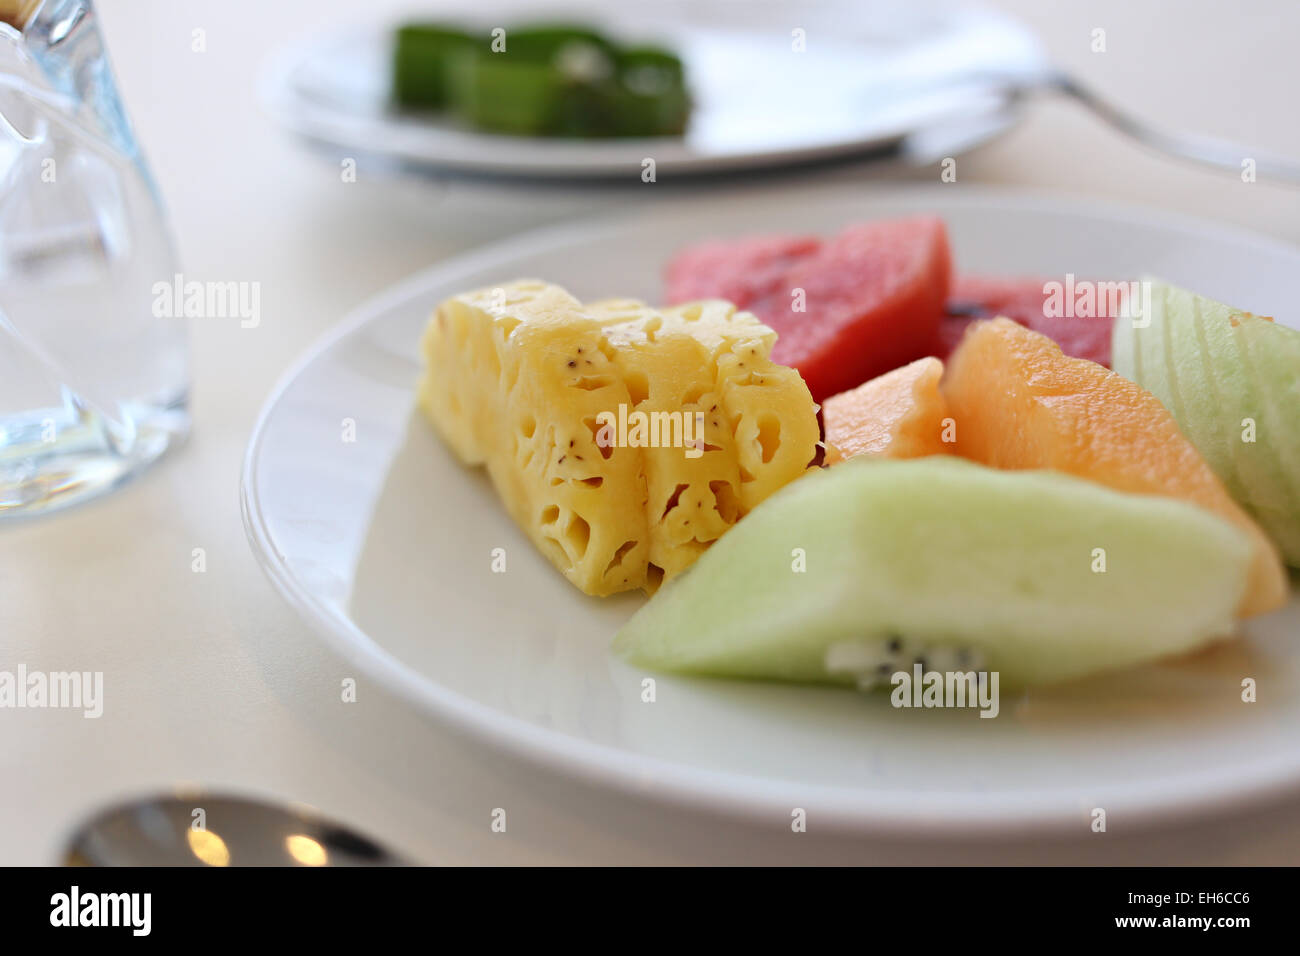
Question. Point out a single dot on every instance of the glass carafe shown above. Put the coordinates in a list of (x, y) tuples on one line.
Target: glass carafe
[(93, 373)]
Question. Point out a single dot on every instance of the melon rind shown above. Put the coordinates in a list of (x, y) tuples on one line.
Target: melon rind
[(1216, 369)]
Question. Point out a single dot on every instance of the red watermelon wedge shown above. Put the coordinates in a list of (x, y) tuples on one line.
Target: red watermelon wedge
[(741, 271), (1025, 301), (872, 297)]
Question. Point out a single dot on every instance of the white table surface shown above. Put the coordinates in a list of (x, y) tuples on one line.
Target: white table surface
[(209, 678)]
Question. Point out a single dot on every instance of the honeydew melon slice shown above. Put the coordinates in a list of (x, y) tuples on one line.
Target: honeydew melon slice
[(851, 572), (1232, 382)]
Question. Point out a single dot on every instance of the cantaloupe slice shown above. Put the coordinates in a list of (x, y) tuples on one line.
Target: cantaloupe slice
[(897, 415), (1018, 402)]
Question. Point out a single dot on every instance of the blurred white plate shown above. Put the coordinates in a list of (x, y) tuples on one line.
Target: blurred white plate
[(882, 77), (384, 544)]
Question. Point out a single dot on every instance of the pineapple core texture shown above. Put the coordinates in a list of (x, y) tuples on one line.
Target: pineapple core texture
[(543, 390)]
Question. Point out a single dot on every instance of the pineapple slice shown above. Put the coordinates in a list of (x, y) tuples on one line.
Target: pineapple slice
[(543, 391)]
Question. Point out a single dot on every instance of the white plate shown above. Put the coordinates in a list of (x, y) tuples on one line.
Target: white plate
[(897, 75), (384, 544)]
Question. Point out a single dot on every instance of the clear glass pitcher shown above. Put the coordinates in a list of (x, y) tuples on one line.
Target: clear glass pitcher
[(93, 374)]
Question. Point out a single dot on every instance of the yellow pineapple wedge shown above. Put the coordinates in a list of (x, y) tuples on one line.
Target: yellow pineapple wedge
[(623, 439)]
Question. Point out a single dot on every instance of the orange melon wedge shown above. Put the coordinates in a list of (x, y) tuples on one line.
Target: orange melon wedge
[(1019, 403), (896, 415)]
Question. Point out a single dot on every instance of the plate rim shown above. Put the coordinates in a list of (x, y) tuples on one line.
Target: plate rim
[(278, 99), (736, 795)]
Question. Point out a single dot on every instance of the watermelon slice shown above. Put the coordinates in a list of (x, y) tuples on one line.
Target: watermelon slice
[(1023, 301), (873, 295), (742, 271)]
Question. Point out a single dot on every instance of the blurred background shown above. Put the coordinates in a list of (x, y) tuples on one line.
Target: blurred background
[(226, 686)]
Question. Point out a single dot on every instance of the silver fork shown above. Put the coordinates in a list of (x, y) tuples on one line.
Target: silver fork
[(1206, 150)]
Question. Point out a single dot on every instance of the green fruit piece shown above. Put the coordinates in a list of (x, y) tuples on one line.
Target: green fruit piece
[(422, 57), (651, 97), (543, 43), (1273, 355), (945, 560), (548, 80), (559, 80), (505, 95), (1232, 382)]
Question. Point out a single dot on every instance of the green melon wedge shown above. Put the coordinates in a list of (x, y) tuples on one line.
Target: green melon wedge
[(948, 559), (1232, 381)]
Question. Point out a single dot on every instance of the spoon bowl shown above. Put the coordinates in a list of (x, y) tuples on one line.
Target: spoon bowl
[(196, 828)]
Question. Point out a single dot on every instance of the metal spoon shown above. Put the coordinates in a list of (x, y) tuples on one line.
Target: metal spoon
[(205, 829)]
